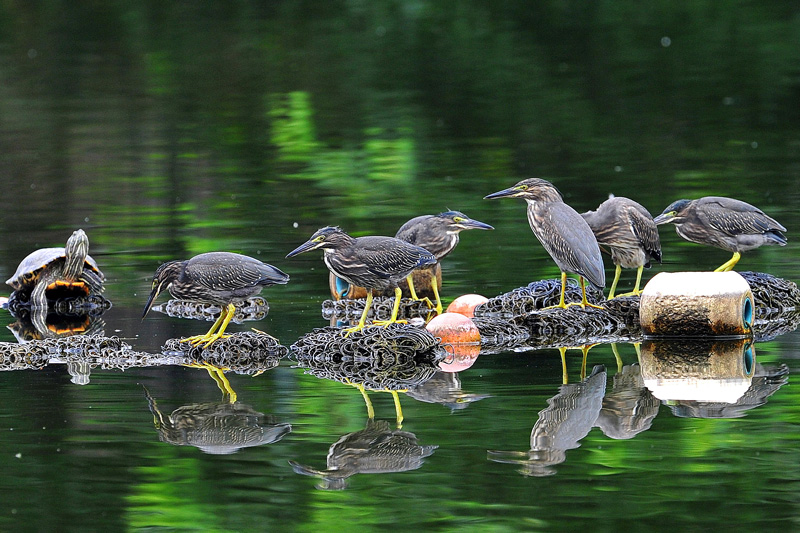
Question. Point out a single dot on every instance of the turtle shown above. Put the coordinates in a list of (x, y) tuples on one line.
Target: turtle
[(70, 268)]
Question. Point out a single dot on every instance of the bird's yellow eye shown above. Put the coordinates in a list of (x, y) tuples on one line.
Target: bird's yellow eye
[(459, 220), (521, 187), (319, 239)]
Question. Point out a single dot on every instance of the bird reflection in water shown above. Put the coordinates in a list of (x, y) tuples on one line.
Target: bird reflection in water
[(376, 449), (391, 359), (629, 408), (584, 352), (218, 428), (569, 417)]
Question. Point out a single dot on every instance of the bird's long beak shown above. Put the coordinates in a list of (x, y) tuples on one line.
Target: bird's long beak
[(505, 193), (305, 247), (153, 295), (474, 224), (664, 218)]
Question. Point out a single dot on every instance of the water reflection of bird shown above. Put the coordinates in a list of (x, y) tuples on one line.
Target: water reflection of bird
[(630, 407), (444, 388), (376, 449), (216, 428), (565, 235), (626, 229), (726, 223), (373, 262), (221, 278), (569, 417)]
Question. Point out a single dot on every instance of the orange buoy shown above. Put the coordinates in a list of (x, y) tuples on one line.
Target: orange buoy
[(460, 356), (461, 337), (454, 328), (466, 304)]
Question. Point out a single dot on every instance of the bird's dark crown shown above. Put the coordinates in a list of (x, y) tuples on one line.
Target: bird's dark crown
[(453, 215), (330, 237), (168, 272), (535, 189), (677, 206), (539, 188)]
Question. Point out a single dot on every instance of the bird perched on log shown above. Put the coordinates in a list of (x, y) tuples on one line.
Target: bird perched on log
[(726, 223), (221, 278), (373, 262), (626, 230), (562, 231)]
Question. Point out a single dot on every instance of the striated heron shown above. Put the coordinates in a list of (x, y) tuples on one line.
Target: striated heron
[(627, 231), (221, 278), (563, 232), (439, 235), (726, 223), (373, 262)]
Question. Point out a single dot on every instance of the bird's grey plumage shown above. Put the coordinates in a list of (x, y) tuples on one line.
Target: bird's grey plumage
[(725, 223), (222, 277), (562, 231), (568, 239), (372, 262), (439, 234), (626, 229), (429, 232)]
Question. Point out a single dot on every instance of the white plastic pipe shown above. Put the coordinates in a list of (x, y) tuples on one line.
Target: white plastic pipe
[(696, 304)]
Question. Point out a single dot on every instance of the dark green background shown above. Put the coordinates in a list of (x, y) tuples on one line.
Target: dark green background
[(166, 129)]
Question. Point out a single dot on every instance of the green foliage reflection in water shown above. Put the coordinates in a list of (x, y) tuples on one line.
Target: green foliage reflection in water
[(381, 166)]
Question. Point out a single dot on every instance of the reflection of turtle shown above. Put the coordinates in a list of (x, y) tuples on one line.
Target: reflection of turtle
[(55, 326), (70, 269)]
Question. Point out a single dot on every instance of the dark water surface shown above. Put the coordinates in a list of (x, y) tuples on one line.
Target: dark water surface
[(166, 130)]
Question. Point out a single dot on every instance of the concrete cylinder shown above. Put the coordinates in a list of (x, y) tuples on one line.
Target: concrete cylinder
[(696, 304), (704, 370)]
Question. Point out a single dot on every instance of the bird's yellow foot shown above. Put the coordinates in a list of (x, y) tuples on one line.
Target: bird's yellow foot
[(207, 339), (427, 301), (632, 293), (357, 327), (385, 323), (584, 305)]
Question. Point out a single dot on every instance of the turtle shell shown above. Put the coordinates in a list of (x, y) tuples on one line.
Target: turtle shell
[(32, 267)]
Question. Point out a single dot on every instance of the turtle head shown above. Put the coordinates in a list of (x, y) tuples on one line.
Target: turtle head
[(75, 253), (162, 279)]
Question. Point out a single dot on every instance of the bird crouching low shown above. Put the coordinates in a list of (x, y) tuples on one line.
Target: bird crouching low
[(221, 278), (373, 262), (562, 231), (726, 223)]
